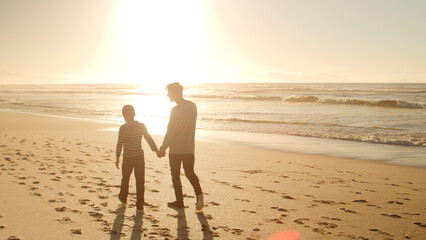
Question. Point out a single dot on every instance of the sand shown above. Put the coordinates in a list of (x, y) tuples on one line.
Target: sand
[(58, 181)]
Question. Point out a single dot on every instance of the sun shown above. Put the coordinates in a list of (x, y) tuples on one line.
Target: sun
[(160, 41)]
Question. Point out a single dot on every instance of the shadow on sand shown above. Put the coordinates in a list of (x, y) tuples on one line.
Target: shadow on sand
[(137, 227), (117, 228), (205, 227), (182, 229)]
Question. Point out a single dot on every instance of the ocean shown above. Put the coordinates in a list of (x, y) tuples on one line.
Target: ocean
[(383, 122)]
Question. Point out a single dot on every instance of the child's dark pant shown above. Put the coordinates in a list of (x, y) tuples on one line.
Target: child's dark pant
[(138, 164), (176, 160)]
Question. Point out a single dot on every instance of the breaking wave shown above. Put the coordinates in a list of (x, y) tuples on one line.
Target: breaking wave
[(374, 103), (351, 133)]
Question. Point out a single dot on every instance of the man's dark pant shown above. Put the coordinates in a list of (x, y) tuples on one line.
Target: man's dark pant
[(176, 161), (138, 164)]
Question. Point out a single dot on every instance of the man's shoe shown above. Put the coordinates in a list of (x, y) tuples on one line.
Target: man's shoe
[(175, 204), (200, 203)]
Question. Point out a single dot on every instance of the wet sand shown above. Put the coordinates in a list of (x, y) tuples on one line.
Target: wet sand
[(59, 181)]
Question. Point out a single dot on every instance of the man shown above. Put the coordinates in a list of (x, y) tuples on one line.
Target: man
[(180, 137)]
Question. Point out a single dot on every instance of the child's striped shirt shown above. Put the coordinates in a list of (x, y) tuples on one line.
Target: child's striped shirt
[(130, 139)]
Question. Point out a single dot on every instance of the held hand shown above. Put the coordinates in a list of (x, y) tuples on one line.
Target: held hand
[(117, 163), (161, 154)]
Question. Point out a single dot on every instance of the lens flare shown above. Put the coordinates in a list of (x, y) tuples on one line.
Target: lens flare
[(286, 235)]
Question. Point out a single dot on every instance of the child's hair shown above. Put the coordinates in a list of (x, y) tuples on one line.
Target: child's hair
[(128, 110), (175, 87)]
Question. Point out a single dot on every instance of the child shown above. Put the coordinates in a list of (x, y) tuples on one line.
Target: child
[(130, 139)]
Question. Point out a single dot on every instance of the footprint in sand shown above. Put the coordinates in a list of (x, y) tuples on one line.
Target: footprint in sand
[(64, 220), (96, 215), (76, 231), (330, 202), (287, 197), (95, 207), (360, 201), (420, 224), (237, 231), (380, 232), (221, 182), (248, 211), (267, 190), (372, 205), (282, 210), (327, 224), (114, 232), (61, 209), (83, 201), (253, 171), (391, 215), (301, 221), (348, 211), (412, 214), (13, 238), (330, 218)]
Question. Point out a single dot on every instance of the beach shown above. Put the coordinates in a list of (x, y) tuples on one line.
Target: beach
[(59, 181)]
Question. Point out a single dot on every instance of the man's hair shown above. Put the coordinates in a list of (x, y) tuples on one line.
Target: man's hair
[(128, 110), (175, 87)]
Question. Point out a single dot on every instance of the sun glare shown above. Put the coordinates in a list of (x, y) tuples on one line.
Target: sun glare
[(160, 41), (153, 111)]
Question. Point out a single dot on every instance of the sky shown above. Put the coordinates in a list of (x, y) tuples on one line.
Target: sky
[(156, 42)]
